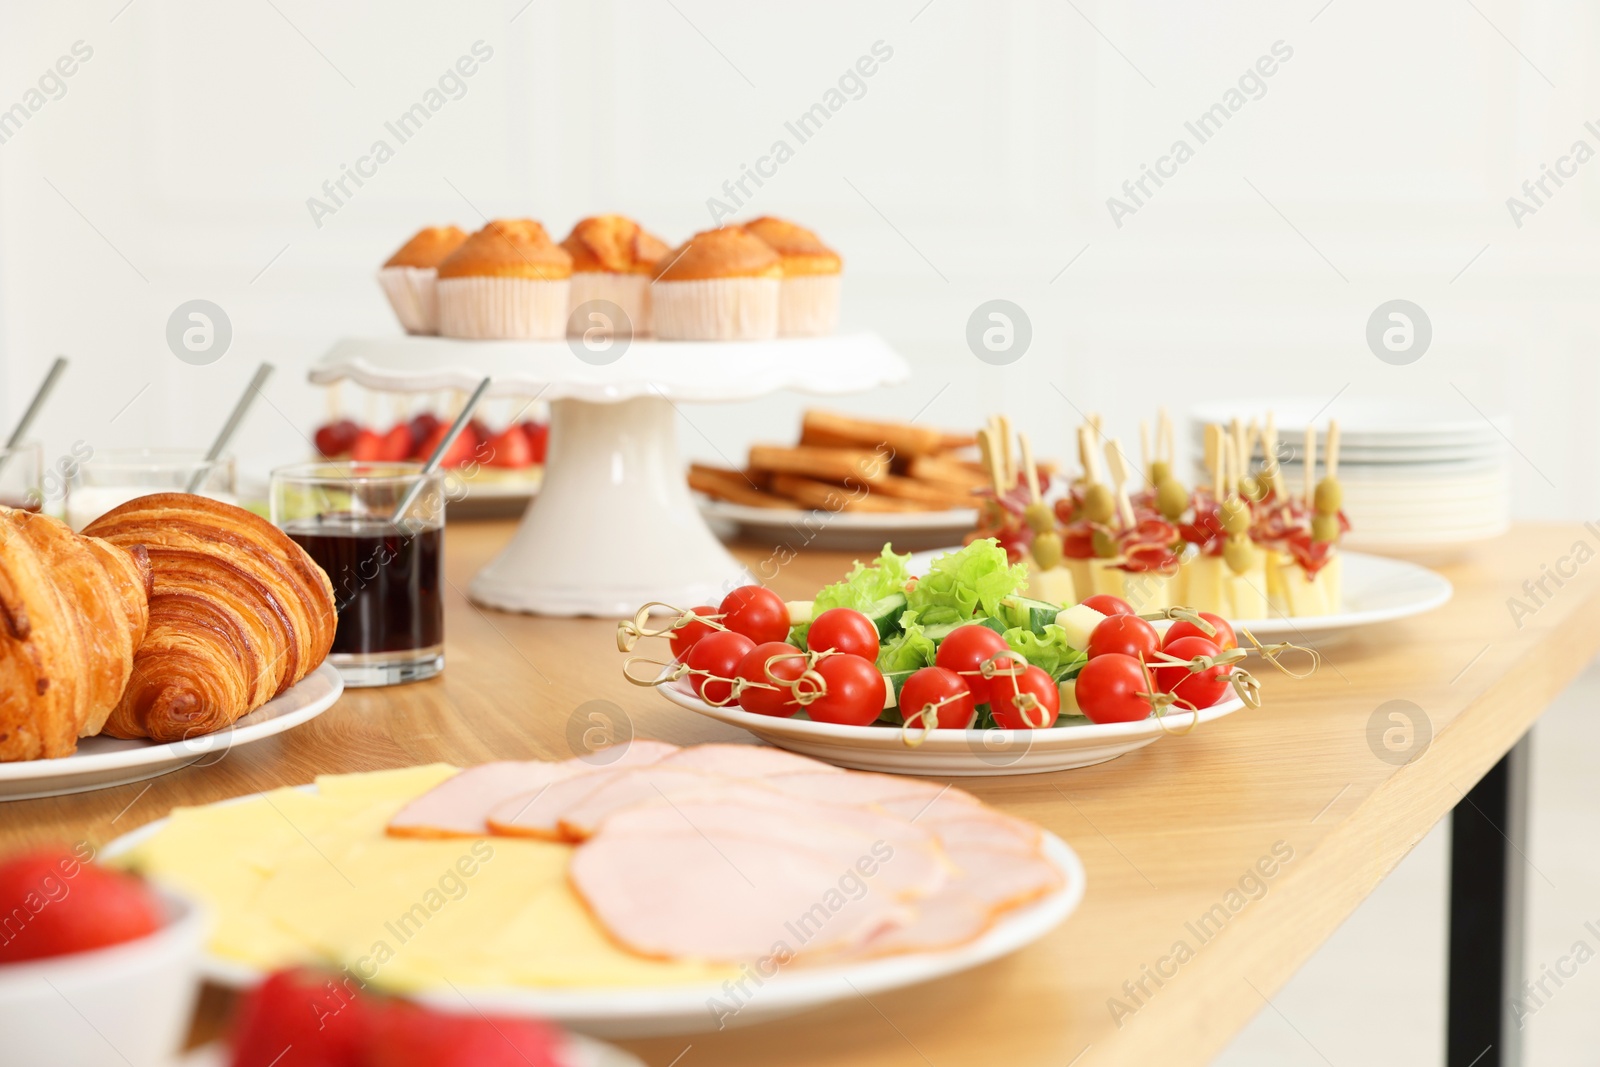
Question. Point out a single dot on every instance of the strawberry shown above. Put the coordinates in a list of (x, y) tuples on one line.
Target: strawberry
[(336, 438), (52, 904), (405, 1035), (422, 426), (396, 444), (510, 448), (539, 437), (367, 448), (459, 453), (302, 1019)]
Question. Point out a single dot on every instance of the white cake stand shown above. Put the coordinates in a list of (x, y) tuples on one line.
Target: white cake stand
[(613, 525)]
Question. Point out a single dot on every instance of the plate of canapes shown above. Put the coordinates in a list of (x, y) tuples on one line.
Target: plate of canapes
[(950, 670), (1249, 546)]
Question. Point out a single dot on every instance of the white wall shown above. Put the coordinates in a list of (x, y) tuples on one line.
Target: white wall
[(987, 147)]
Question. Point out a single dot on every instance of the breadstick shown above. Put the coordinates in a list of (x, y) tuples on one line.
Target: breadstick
[(719, 483), (949, 473), (834, 430), (823, 496), (827, 464)]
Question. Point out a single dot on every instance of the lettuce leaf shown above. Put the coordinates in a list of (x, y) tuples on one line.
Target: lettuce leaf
[(864, 586), (907, 650), (867, 583), (965, 583), (1049, 652)]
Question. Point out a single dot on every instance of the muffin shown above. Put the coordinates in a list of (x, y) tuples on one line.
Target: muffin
[(808, 300), (722, 285), (612, 259), (409, 275), (507, 281)]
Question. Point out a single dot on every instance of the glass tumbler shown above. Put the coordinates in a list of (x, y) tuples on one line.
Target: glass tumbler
[(386, 570)]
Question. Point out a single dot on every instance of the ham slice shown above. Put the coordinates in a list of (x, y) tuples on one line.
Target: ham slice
[(710, 881), (459, 806), (909, 797), (905, 861), (746, 761), (540, 813)]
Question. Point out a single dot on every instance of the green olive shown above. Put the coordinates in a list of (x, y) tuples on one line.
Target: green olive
[(1105, 546), (1098, 503), (1172, 499), (1329, 497), (1235, 515), (1160, 471), (1239, 554), (1324, 527), (1039, 517), (1047, 549)]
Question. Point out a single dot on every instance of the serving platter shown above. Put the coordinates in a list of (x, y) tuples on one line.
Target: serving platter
[(1376, 589), (103, 762), (689, 1008), (844, 531), (954, 753)]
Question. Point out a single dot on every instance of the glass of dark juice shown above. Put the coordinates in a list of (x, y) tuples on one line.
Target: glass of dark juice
[(386, 569)]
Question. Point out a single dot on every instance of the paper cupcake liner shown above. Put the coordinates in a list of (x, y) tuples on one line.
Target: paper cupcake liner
[(491, 308), (716, 309), (808, 305), (630, 292), (412, 294)]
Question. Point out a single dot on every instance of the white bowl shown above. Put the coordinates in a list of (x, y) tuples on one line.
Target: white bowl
[(125, 1004)]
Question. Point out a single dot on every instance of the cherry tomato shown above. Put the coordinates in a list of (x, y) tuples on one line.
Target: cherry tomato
[(719, 654), (1108, 689), (1223, 639), (757, 612), (855, 691), (685, 636), (1005, 700), (964, 651), (1106, 604), (1199, 690), (759, 697), (1127, 635), (843, 630), (935, 685)]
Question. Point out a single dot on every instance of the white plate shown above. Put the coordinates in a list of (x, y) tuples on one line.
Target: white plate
[(686, 1009), (1376, 590), (102, 762), (846, 531), (953, 753)]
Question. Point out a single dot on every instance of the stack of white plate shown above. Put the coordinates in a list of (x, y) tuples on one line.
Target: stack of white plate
[(1420, 478)]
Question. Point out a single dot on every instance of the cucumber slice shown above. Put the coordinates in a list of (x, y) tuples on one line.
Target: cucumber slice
[(885, 614), (997, 625), (1028, 613), (894, 681)]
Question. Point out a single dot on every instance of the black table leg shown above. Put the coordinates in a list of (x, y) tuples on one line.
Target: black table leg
[(1488, 868)]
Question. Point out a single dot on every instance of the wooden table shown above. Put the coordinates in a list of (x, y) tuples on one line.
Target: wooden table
[(1247, 842)]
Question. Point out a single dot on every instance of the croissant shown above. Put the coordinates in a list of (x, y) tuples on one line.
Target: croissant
[(73, 610), (238, 614)]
